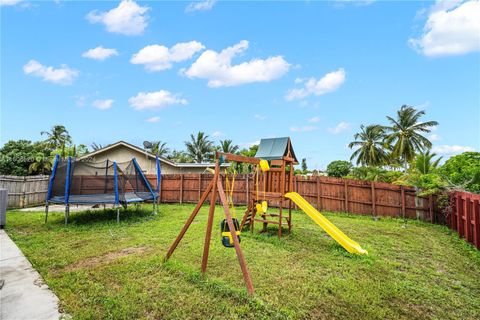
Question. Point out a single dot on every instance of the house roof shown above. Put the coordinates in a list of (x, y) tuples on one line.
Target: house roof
[(275, 149), (150, 155)]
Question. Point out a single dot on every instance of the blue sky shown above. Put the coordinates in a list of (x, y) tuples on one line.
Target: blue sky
[(314, 71)]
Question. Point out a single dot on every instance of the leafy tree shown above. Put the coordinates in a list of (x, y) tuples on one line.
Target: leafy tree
[(159, 148), (304, 166), (424, 162), (40, 165), (338, 168), (227, 146), (179, 156), (58, 137), (200, 148), (72, 151), (370, 146), (17, 156), (374, 174), (250, 152), (463, 171), (405, 133)]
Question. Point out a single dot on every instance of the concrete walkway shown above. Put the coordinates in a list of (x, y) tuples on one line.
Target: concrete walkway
[(24, 294)]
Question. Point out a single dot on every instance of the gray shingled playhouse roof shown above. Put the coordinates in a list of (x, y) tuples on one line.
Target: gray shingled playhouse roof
[(274, 149)]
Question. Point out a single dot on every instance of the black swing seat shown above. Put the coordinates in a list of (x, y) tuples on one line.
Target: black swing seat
[(227, 239)]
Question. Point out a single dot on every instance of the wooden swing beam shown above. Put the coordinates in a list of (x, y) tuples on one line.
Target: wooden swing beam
[(214, 186)]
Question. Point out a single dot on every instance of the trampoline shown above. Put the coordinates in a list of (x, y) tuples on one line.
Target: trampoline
[(74, 182)]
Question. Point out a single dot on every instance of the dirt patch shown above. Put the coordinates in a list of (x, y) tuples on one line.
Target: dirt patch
[(106, 258)]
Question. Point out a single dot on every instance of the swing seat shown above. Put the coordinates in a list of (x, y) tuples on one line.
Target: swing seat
[(262, 207), (227, 238)]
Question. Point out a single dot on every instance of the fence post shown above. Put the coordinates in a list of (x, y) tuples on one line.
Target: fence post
[(476, 221), (459, 209), (247, 188), (181, 188), (318, 195), (430, 208), (199, 186), (374, 200), (346, 195), (466, 223), (161, 189), (402, 194), (23, 196)]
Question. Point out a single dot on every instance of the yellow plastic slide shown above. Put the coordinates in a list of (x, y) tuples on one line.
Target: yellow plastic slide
[(349, 245)]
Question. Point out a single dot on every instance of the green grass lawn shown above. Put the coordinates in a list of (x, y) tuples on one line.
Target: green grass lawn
[(101, 269)]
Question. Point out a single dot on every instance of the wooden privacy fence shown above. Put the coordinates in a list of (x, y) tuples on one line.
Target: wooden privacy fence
[(465, 216), (25, 191), (325, 193)]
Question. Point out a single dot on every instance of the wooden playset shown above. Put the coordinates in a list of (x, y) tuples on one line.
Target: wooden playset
[(273, 183)]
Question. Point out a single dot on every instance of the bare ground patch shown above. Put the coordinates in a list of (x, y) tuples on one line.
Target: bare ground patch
[(107, 258)]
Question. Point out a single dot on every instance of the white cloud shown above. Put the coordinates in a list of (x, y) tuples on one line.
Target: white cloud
[(217, 134), (450, 150), (153, 119), (100, 53), (128, 18), (63, 75), (328, 83), (103, 104), (260, 117), (314, 119), (303, 129), (452, 28), (217, 67), (158, 58), (155, 100), (9, 2), (200, 5), (434, 137), (339, 128)]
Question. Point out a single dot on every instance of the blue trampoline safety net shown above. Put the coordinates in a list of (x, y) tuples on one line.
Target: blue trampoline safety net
[(107, 182)]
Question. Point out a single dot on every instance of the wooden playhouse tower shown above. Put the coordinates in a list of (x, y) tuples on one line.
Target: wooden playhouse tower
[(271, 185)]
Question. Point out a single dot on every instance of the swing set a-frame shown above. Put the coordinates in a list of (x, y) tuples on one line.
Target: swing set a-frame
[(275, 182), (216, 186)]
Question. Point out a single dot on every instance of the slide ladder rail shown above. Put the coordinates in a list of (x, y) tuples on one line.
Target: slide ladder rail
[(332, 230)]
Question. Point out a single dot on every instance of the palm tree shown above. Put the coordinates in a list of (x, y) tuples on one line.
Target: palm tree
[(370, 146), (405, 133), (424, 163), (179, 156), (96, 146), (159, 148), (227, 146), (41, 165), (58, 137), (199, 148)]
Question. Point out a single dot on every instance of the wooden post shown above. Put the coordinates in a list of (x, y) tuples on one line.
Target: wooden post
[(282, 192), (374, 200), (189, 221), (346, 195), (236, 242), (430, 208), (199, 185), (247, 188), (208, 233), (181, 188), (476, 223), (161, 190), (458, 209), (23, 195), (466, 218), (402, 193), (318, 194)]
